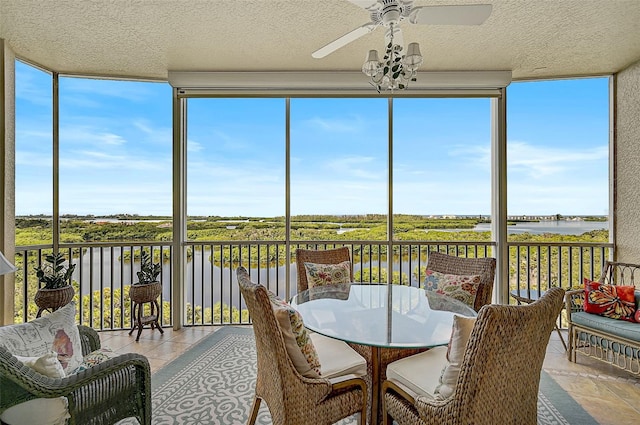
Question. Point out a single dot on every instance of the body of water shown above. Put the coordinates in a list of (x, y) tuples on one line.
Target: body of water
[(562, 227)]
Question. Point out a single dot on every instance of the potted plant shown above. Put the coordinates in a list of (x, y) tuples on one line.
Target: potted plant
[(147, 288), (55, 279)]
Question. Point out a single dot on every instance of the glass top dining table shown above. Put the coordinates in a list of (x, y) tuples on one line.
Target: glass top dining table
[(390, 316), (385, 318)]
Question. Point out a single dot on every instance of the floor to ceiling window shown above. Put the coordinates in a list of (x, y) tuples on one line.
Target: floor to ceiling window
[(332, 168), (557, 179)]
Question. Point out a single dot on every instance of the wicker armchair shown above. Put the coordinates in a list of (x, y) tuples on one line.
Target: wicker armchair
[(291, 397), (328, 256), (500, 372), (102, 395), (485, 267)]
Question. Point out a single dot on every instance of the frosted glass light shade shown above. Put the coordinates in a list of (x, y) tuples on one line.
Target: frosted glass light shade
[(372, 64), (5, 265), (413, 59)]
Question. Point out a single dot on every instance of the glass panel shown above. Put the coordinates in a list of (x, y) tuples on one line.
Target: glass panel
[(557, 181), (236, 169), (34, 156), (442, 169), (115, 160), (339, 169), (558, 154)]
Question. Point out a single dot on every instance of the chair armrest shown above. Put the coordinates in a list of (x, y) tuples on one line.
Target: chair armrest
[(574, 302), (20, 383), (429, 409), (347, 381), (89, 339)]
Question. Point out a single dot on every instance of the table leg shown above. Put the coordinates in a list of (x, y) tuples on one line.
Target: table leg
[(375, 384)]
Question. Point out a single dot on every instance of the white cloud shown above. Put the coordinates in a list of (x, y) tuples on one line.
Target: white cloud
[(356, 167), (542, 161), (352, 124), (193, 146)]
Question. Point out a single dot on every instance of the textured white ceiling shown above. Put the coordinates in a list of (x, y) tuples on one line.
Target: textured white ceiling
[(148, 38)]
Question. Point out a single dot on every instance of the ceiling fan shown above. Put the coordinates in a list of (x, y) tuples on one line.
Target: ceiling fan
[(389, 13)]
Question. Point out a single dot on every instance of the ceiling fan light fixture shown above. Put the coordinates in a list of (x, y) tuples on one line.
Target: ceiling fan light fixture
[(371, 64), (413, 59), (396, 70)]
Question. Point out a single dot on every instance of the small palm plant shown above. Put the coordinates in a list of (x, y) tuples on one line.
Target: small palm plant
[(149, 270), (53, 274)]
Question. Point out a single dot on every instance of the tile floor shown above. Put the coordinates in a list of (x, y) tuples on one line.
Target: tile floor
[(609, 395)]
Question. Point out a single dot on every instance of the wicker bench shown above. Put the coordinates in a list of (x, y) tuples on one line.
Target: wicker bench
[(613, 341)]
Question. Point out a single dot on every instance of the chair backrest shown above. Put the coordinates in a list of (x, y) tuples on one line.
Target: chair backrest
[(500, 373), (277, 381), (485, 267), (327, 256), (270, 349), (617, 273)]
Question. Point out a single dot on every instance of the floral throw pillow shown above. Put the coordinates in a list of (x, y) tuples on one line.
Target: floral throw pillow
[(328, 274), (95, 358), (612, 301), (296, 337), (460, 287)]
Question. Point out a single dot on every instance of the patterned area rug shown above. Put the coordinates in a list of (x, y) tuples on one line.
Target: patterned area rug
[(213, 383)]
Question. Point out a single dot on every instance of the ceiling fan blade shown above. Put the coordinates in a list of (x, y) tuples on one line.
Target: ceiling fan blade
[(470, 14), (366, 4), (344, 40)]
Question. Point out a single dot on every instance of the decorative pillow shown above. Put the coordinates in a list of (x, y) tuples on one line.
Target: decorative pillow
[(460, 287), (299, 346), (328, 274), (460, 333), (95, 358), (47, 364), (41, 411), (55, 332), (612, 301)]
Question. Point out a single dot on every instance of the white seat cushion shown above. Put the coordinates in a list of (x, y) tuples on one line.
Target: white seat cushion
[(421, 372), (40, 411), (337, 358)]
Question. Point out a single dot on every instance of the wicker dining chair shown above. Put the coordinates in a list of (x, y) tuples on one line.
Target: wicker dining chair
[(485, 267), (327, 256), (292, 398), (115, 389), (499, 374)]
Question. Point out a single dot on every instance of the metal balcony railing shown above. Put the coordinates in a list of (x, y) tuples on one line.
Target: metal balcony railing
[(104, 272)]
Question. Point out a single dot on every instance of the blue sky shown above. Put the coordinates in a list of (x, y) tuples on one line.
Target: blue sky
[(116, 139)]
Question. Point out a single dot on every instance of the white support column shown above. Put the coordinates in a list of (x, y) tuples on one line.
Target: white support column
[(613, 165), (499, 195), (7, 178), (178, 256)]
